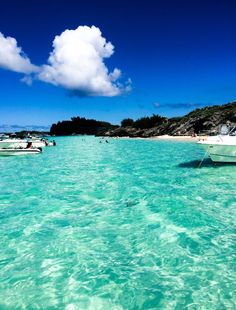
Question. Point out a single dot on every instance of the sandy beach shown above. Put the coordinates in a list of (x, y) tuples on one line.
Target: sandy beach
[(168, 137), (179, 138)]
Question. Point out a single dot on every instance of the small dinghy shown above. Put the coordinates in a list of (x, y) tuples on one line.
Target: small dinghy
[(15, 151)]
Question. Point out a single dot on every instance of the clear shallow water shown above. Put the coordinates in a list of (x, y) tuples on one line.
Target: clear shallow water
[(127, 225)]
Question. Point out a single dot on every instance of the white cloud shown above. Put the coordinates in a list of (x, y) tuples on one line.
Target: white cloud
[(77, 64), (13, 58)]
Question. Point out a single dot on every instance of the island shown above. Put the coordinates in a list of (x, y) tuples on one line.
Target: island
[(204, 121)]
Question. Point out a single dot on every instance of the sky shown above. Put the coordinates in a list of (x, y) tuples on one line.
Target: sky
[(110, 60)]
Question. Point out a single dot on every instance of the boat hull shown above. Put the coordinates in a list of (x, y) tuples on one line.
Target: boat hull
[(220, 152), (17, 152)]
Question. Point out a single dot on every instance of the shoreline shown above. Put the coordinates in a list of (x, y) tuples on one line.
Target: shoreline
[(168, 137), (180, 138)]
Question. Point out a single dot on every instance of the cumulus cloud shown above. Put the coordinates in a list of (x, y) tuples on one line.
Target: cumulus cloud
[(77, 64), (13, 58)]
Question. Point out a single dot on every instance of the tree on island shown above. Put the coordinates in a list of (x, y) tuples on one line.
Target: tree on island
[(80, 125), (144, 122), (127, 122)]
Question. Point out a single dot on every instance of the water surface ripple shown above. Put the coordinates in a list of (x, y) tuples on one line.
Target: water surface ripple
[(130, 224)]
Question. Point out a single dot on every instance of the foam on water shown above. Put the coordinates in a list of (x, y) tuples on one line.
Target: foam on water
[(127, 225)]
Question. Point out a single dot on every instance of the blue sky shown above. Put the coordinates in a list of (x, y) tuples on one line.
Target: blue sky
[(178, 54)]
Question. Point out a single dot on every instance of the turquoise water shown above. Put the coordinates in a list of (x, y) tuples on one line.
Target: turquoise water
[(132, 224)]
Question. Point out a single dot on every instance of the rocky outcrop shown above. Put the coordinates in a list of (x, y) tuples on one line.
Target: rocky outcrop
[(124, 132), (200, 121)]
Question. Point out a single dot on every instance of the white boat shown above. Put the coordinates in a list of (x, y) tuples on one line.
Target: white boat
[(37, 142), (19, 151), (221, 148), (21, 143), (12, 143)]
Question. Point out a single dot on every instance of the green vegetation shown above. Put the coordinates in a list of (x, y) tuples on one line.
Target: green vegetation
[(80, 125), (127, 122), (144, 122)]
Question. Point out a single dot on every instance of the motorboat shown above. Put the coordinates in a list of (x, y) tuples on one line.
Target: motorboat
[(21, 143), (221, 148), (37, 142), (19, 151), (13, 147), (12, 143)]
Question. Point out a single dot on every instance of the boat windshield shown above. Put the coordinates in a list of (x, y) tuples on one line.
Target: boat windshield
[(233, 131), (224, 130), (227, 130)]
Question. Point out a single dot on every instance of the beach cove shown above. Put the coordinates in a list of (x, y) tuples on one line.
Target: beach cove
[(129, 224)]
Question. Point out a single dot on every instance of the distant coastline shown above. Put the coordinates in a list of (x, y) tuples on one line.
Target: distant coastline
[(5, 128)]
